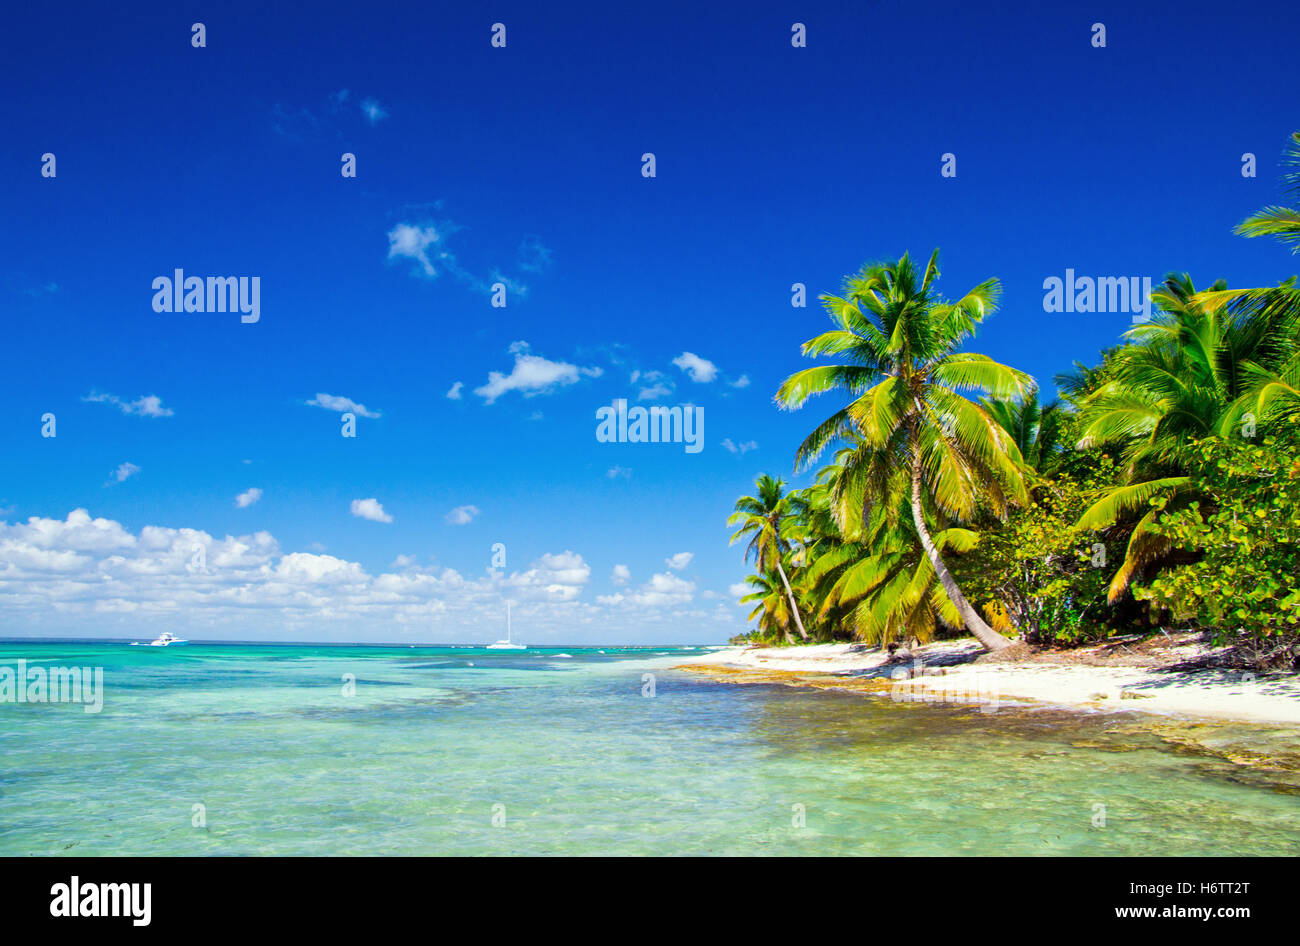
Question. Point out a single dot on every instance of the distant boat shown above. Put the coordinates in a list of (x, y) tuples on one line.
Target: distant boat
[(506, 644), (165, 638)]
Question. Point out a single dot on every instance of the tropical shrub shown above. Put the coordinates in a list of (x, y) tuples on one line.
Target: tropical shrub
[(1244, 533), (1039, 571)]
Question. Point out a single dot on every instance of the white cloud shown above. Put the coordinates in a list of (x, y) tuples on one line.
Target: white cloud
[(426, 244), (148, 406), (699, 369), (462, 515), (304, 568), (87, 575), (454, 391), (741, 382), (553, 577), (741, 448), (655, 385), (664, 589), (679, 561), (248, 497), (531, 375), (621, 575), (333, 402), (739, 589), (615, 471), (654, 392), (124, 471), (413, 242), (370, 509)]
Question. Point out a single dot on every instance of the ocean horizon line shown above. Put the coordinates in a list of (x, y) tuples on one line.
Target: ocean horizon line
[(13, 639)]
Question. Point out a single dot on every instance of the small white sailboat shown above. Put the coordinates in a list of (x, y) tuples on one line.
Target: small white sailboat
[(506, 644), (166, 638)]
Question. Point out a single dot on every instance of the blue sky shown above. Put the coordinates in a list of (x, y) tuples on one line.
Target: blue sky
[(775, 165)]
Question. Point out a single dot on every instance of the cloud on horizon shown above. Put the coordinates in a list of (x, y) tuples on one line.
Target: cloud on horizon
[(95, 572)]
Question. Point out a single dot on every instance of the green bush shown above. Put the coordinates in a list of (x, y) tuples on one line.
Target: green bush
[(1244, 536)]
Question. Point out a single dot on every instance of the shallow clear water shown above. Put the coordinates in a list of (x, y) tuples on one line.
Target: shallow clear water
[(414, 763)]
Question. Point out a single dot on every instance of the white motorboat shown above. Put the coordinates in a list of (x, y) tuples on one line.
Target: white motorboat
[(167, 638)]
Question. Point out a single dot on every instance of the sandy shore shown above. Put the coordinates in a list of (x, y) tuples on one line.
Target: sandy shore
[(1146, 677)]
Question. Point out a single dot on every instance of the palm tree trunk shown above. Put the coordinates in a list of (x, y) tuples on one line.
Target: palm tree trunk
[(989, 638), (794, 608)]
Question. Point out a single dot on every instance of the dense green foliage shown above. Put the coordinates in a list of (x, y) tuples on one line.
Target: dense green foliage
[(1042, 573), (1163, 489), (1244, 536)]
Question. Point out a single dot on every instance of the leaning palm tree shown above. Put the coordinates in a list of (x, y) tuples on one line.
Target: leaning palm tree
[(921, 445), (760, 518)]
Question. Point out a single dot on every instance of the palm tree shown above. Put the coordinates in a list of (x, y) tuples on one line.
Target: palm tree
[(773, 610), (1272, 381), (1276, 221), (1036, 428), (760, 517), (1188, 374), (920, 444)]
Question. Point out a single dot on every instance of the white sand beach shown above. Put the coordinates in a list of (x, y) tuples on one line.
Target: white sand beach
[(1104, 678)]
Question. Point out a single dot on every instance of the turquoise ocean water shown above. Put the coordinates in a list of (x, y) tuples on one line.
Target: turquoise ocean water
[(561, 749)]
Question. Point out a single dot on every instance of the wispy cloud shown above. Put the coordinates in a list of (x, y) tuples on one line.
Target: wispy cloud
[(534, 256), (123, 472), (332, 402), (532, 375), (454, 391), (148, 406), (426, 243), (462, 515), (248, 497), (741, 448), (679, 561), (614, 472), (419, 243), (329, 118), (374, 112), (656, 385)]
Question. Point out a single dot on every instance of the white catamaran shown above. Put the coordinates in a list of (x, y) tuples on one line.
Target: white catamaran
[(506, 644)]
